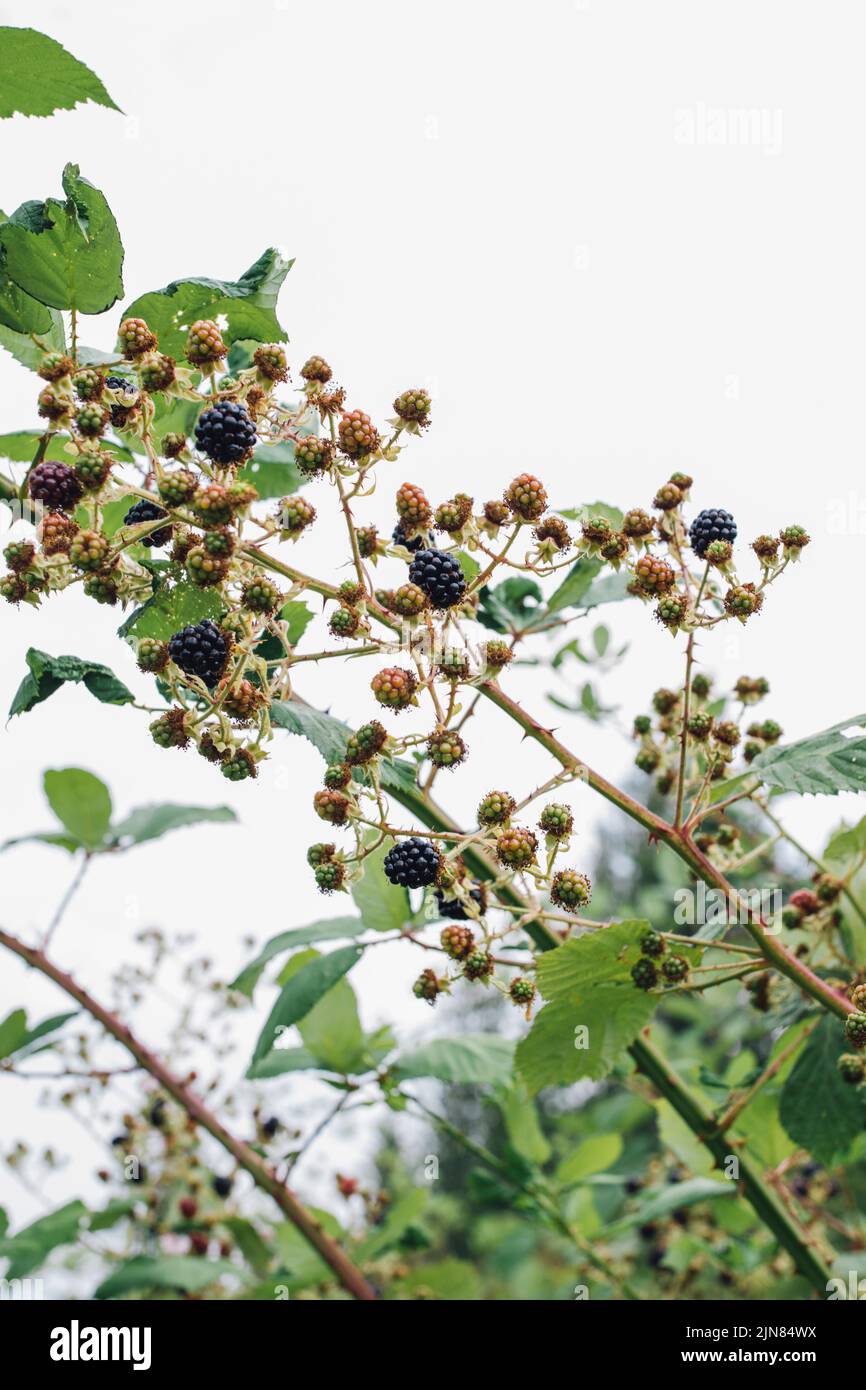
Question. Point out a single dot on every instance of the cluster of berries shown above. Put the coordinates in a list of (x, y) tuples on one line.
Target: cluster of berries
[(656, 965)]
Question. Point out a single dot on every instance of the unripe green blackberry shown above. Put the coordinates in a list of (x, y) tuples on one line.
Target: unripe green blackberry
[(212, 504), (357, 435), (597, 530), (615, 548), (205, 570), (771, 732), (672, 610), (636, 524), (368, 540), (675, 969), (152, 655), (270, 359), (742, 600), (314, 455), (413, 406), (557, 820), (855, 1030), (522, 991), (204, 344), (727, 732), (19, 555), (457, 941), (496, 808), (751, 689), (320, 854), (664, 701), (858, 998), (648, 759), (330, 876), (134, 338), (642, 724), (92, 470), (478, 966), (13, 588), (409, 601), (295, 515), (700, 725), (350, 592), (337, 776), (792, 917), (728, 835), (497, 512), (55, 365), (242, 495), (413, 508), (570, 890), (554, 531), (52, 403), (428, 986), (516, 847), (654, 575), (88, 384), (668, 497), (170, 729), (751, 751), (91, 420), (453, 515), (394, 687), (220, 541), (177, 488), (644, 973), (526, 497), (332, 807), (316, 369), (852, 1069), (344, 622), (89, 551), (172, 444), (103, 588), (453, 665), (793, 539), (158, 373), (498, 654), (365, 743), (701, 685), (719, 553), (261, 596), (446, 749), (239, 766), (653, 944)]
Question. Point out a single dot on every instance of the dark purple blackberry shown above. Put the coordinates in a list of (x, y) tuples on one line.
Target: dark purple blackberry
[(200, 649), (225, 432), (412, 863), (148, 511), (119, 383), (222, 1186), (56, 485), (713, 524), (453, 908), (440, 577), (423, 541)]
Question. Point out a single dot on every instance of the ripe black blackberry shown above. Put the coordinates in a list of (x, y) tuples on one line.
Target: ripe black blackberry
[(225, 432), (453, 908), (439, 576), (423, 541), (712, 524), (412, 863), (148, 511), (200, 649), (56, 485), (222, 1186)]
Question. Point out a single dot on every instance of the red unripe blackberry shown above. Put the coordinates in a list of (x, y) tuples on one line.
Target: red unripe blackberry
[(496, 808), (205, 570), (478, 965), (330, 876), (413, 509), (188, 1207), (365, 743), (239, 766), (637, 523), (439, 576), (668, 497), (89, 551), (320, 854), (201, 650), (644, 973), (91, 420), (144, 511), (158, 373), (654, 575), (446, 749), (295, 515), (413, 863), (225, 432), (13, 588), (727, 732), (805, 901), (712, 524), (496, 512), (522, 991), (368, 541), (516, 847), (557, 820), (204, 344), (409, 601), (337, 776), (55, 365), (270, 359), (316, 369), (314, 455), (56, 533), (212, 504), (394, 687), (413, 406), (332, 807), (52, 403), (56, 485), (152, 655), (570, 890), (457, 941), (134, 338), (357, 434), (261, 596), (675, 969), (526, 497), (652, 944), (344, 622), (428, 986), (170, 730), (852, 1069), (240, 699), (855, 1030)]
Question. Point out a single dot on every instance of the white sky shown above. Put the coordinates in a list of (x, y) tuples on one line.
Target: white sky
[(528, 209)]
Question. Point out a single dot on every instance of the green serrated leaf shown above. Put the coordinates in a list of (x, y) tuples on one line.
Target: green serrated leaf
[(184, 1273), (81, 802), (575, 585), (152, 822), (326, 733), (383, 906), (302, 992), (169, 609), (48, 673), (38, 76), (818, 1110), (847, 844), (822, 765), (333, 929), (592, 1155), (331, 1030), (472, 1059), (272, 470), (13, 1031)]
